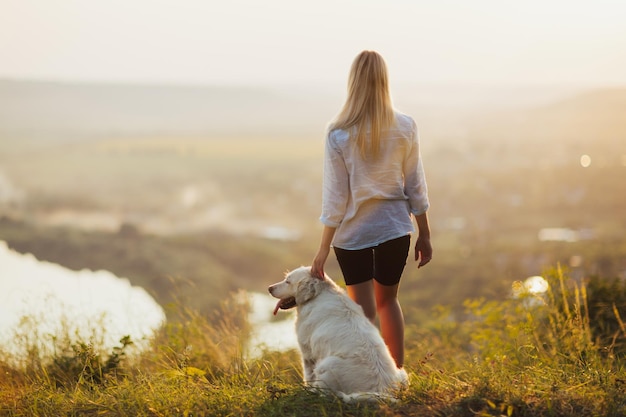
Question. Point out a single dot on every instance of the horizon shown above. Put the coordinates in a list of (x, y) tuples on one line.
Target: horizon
[(455, 95)]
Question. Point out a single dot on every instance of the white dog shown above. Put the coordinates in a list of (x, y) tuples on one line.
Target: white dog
[(341, 349)]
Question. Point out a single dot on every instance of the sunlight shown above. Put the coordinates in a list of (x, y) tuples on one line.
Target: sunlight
[(585, 161), (533, 286), (536, 285)]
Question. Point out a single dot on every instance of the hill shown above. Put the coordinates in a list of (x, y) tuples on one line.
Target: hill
[(45, 109), (55, 108), (594, 117)]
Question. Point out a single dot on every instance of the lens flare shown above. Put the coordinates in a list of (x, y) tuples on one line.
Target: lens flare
[(585, 161)]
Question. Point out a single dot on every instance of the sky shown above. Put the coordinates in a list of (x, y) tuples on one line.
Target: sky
[(292, 42)]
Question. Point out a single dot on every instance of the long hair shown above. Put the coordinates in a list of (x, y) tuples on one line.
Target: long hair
[(368, 105)]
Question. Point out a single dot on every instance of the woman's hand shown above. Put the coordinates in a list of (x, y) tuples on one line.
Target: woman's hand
[(317, 267), (423, 250)]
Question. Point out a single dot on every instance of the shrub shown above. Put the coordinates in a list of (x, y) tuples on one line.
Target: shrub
[(607, 311), (84, 364)]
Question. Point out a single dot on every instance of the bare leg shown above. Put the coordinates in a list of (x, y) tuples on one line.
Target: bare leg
[(363, 295), (391, 320)]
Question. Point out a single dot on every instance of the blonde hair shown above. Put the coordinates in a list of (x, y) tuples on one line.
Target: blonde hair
[(368, 104)]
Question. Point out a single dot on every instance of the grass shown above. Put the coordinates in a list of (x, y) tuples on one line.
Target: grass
[(534, 355)]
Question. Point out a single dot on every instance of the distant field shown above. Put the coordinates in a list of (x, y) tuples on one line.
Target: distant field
[(171, 179), (493, 187)]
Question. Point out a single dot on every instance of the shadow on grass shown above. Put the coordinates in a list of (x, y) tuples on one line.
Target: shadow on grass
[(301, 401)]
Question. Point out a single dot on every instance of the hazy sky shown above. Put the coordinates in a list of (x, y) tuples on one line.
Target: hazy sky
[(307, 42)]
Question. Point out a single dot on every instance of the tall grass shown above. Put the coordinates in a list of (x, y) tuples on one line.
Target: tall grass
[(529, 355)]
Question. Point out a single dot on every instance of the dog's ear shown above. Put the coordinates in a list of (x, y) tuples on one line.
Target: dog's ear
[(307, 289)]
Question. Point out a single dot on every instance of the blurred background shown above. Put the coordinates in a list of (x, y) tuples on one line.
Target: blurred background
[(179, 145)]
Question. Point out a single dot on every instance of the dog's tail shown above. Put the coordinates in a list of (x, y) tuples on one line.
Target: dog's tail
[(368, 397), (375, 397)]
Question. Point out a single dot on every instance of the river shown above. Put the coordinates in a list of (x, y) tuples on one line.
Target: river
[(41, 302)]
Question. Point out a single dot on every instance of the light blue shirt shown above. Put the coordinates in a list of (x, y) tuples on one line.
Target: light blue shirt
[(370, 201)]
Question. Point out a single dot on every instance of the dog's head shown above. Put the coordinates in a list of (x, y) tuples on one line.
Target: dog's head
[(298, 287)]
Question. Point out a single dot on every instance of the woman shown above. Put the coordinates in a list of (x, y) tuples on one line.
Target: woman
[(373, 183)]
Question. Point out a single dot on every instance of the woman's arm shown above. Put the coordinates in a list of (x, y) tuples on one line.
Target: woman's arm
[(414, 178), (335, 185), (317, 267)]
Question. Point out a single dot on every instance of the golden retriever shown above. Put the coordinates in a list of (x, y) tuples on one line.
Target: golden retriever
[(341, 349)]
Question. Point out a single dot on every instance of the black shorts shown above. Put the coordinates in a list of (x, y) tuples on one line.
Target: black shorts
[(384, 262)]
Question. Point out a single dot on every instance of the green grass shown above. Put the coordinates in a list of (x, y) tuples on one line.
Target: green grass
[(526, 356)]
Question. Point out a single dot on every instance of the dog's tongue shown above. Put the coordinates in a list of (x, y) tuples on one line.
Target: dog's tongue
[(277, 306)]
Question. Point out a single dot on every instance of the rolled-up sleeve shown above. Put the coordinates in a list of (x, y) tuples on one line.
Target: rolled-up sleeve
[(415, 186), (335, 187)]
